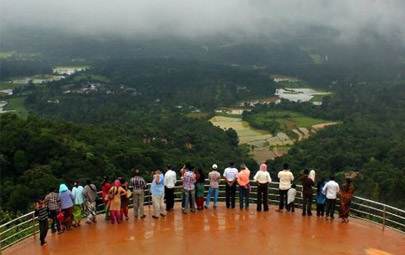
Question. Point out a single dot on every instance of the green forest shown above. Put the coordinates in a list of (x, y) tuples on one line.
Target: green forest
[(129, 110)]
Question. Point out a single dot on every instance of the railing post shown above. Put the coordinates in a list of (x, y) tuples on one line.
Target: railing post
[(384, 214)]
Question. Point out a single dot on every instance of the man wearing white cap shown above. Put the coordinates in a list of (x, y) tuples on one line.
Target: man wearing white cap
[(214, 177)]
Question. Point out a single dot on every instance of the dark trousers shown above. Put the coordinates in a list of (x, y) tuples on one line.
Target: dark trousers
[(43, 230), (290, 207), (230, 193), (55, 222), (169, 194), (283, 199), (330, 207), (262, 197), (243, 197), (307, 204), (320, 209)]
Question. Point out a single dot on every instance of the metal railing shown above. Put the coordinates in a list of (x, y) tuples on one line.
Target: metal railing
[(26, 225)]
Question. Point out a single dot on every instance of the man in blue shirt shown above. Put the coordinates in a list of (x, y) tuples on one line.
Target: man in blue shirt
[(158, 193)]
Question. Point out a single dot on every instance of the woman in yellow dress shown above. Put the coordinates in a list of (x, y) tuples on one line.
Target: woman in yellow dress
[(114, 195)]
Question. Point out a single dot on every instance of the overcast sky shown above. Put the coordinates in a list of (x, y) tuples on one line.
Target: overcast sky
[(195, 18)]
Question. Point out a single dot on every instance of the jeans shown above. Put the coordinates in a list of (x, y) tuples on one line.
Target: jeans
[(262, 197), (330, 207), (55, 222), (189, 199), (307, 204), (283, 199), (169, 194), (243, 197), (230, 193), (210, 191), (183, 199), (138, 199)]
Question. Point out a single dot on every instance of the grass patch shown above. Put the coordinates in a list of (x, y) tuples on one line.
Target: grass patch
[(11, 85), (287, 120), (317, 59), (6, 54), (319, 98), (197, 115), (17, 104), (91, 77)]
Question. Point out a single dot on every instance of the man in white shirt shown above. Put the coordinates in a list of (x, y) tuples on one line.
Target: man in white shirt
[(230, 174), (285, 177), (169, 182), (331, 189), (262, 177)]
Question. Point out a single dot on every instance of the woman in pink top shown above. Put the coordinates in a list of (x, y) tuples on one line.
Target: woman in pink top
[(244, 186)]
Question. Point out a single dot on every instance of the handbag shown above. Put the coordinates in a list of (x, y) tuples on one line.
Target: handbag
[(60, 217), (129, 193)]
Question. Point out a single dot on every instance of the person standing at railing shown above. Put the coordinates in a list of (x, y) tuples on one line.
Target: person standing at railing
[(230, 174), (41, 211), (320, 198), (124, 198), (331, 190), (105, 187), (346, 196), (52, 202), (90, 193), (214, 178), (244, 186), (262, 177), (66, 201), (307, 193), (189, 179), (139, 185), (158, 194), (114, 195), (199, 189), (170, 183), (78, 198), (286, 177)]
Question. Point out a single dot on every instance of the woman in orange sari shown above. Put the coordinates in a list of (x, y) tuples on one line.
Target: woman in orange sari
[(346, 195)]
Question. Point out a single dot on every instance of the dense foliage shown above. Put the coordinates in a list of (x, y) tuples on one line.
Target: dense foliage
[(370, 140), (37, 154)]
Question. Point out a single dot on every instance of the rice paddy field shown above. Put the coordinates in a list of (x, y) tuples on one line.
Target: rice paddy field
[(288, 120), (264, 145)]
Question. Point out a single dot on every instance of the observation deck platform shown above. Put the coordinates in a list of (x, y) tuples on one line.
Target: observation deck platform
[(220, 231)]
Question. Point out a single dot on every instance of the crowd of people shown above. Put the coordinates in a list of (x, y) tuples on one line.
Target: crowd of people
[(67, 208)]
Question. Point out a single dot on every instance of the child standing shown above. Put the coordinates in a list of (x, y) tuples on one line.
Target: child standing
[(292, 192), (320, 199), (41, 211)]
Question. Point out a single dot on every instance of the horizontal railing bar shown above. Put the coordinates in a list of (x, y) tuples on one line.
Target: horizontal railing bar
[(22, 238), (16, 219), (19, 232), (15, 226)]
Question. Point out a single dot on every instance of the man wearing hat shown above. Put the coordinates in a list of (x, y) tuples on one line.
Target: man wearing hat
[(214, 178)]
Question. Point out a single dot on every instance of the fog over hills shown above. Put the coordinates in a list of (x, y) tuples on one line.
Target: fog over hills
[(349, 20)]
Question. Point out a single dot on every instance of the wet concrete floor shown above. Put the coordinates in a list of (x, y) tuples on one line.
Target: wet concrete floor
[(220, 231)]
